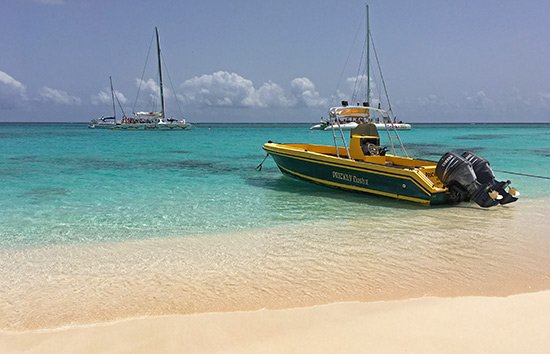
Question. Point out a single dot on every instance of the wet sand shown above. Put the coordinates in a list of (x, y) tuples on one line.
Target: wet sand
[(515, 324), (294, 288)]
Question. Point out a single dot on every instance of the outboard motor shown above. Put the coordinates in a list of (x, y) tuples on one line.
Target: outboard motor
[(485, 175), (458, 175)]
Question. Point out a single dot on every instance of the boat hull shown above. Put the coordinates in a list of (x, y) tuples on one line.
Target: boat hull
[(331, 171), (151, 126), (352, 125), (101, 126)]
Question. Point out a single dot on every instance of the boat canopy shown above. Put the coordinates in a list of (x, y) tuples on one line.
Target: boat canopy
[(354, 112)]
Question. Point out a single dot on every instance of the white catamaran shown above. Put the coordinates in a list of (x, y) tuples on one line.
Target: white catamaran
[(348, 117), (154, 120), (105, 122)]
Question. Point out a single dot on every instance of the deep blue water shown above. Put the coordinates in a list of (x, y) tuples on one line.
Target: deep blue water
[(64, 183)]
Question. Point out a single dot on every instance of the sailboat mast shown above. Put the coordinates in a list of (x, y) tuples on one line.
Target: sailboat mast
[(113, 97), (160, 74), (368, 57)]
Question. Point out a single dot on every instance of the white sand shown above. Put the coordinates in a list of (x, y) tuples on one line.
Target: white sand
[(515, 324)]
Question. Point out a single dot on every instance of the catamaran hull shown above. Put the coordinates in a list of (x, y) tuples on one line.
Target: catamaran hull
[(352, 125), (101, 126), (138, 126), (359, 177)]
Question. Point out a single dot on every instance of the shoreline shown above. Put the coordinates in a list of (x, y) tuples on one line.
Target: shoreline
[(473, 253), (509, 324)]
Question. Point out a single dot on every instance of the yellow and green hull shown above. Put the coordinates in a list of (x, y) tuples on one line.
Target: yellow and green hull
[(391, 176)]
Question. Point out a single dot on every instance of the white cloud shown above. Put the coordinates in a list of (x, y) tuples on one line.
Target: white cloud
[(432, 100), (104, 97), (219, 89), (225, 89), (480, 101), (271, 95), (151, 88), (303, 90), (12, 92), (360, 81), (48, 94), (544, 98)]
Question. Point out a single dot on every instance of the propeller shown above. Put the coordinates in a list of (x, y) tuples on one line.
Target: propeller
[(513, 192), (494, 195)]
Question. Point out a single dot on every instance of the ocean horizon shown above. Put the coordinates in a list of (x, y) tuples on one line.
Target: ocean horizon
[(309, 123)]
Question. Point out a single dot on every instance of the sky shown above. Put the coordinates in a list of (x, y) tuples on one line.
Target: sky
[(275, 61)]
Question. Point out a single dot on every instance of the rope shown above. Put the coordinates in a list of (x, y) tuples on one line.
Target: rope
[(143, 73), (259, 167), (120, 105), (381, 76), (349, 55), (387, 96), (523, 174), (171, 85), (356, 84)]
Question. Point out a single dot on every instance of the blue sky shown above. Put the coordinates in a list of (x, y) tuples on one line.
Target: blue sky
[(287, 61)]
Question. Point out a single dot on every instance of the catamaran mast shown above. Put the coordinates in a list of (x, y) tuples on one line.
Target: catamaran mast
[(368, 57), (113, 98), (160, 74)]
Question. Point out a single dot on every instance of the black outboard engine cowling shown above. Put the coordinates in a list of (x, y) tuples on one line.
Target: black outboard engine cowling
[(485, 175), (460, 178)]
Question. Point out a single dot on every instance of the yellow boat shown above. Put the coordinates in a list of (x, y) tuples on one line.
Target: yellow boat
[(364, 166)]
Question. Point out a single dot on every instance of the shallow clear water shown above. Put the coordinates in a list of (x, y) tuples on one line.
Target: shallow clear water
[(99, 225), (64, 183)]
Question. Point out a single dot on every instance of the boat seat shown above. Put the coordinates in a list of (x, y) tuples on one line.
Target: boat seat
[(365, 129)]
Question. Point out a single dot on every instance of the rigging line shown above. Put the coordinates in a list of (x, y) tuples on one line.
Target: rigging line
[(522, 174), (349, 55), (390, 110), (120, 105), (143, 72), (375, 90), (171, 84), (355, 93), (388, 131), (381, 76)]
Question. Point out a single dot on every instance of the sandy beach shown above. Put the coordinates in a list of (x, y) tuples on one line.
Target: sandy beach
[(475, 283), (514, 324)]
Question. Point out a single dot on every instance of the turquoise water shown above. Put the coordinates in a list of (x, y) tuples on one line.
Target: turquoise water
[(64, 183), (99, 225)]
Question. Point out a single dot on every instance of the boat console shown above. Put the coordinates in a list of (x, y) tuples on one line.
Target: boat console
[(365, 140)]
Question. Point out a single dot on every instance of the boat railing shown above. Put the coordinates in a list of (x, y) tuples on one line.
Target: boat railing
[(342, 137), (384, 116)]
